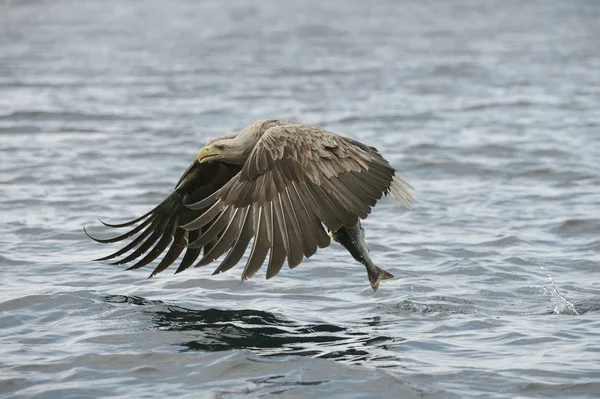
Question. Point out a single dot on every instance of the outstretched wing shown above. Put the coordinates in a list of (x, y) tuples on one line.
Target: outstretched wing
[(158, 230), (297, 180)]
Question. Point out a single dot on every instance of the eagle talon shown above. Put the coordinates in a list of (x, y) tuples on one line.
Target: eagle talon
[(334, 236)]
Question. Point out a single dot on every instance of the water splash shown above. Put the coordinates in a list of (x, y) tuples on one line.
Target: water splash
[(561, 304)]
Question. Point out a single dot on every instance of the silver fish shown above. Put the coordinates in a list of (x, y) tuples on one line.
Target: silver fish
[(353, 239)]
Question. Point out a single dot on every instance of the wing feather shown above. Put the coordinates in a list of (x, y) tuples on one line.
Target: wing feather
[(221, 222), (158, 249), (225, 241), (261, 245), (133, 244), (122, 237), (142, 249), (305, 223), (295, 251), (173, 252), (239, 247), (130, 223), (191, 254), (205, 218), (158, 231), (278, 252), (283, 229)]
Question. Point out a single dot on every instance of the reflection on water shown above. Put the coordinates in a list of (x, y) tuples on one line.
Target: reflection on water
[(264, 332)]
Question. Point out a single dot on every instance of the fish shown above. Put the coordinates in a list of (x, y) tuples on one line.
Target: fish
[(353, 239)]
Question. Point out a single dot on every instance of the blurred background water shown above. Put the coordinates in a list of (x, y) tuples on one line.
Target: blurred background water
[(491, 108)]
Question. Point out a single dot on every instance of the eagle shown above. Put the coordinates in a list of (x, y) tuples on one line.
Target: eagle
[(276, 183)]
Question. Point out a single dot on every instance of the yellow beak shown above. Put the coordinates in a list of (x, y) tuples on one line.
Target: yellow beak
[(205, 154)]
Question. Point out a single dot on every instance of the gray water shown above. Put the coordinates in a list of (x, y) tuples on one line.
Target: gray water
[(491, 108)]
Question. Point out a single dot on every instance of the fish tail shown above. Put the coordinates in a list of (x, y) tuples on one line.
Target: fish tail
[(376, 275)]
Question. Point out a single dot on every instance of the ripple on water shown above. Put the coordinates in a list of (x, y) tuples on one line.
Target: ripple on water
[(222, 330)]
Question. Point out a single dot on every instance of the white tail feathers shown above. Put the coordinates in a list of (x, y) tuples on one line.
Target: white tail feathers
[(398, 191)]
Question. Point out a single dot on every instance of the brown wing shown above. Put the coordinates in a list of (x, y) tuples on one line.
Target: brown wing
[(159, 229), (297, 180)]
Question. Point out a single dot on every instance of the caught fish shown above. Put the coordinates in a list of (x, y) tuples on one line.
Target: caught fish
[(353, 240)]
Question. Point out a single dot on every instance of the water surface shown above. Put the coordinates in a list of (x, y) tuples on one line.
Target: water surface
[(490, 108)]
